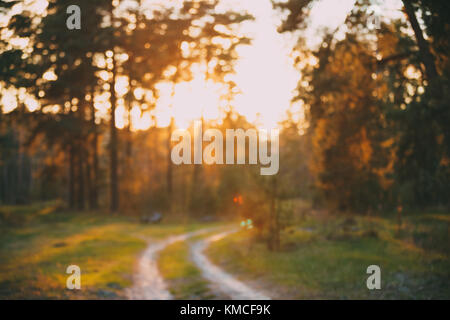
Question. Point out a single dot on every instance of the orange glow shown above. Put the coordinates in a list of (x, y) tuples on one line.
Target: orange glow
[(265, 74), (265, 78)]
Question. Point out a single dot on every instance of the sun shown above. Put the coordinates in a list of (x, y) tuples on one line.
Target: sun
[(264, 75)]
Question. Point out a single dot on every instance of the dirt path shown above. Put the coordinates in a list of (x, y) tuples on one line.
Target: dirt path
[(226, 283), (148, 282)]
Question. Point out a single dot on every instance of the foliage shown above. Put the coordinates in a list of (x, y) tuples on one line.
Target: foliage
[(377, 122)]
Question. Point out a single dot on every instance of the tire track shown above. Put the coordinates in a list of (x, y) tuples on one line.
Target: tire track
[(148, 282), (225, 282)]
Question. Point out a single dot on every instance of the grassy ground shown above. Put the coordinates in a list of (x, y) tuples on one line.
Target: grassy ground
[(321, 257), (38, 242), (327, 257), (183, 278)]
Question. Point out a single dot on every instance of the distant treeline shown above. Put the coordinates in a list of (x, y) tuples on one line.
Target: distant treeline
[(376, 104)]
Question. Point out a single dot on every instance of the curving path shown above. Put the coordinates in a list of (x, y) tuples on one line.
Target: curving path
[(223, 281), (148, 282)]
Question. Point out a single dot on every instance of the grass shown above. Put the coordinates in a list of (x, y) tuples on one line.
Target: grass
[(327, 257), (38, 242), (322, 256), (183, 278)]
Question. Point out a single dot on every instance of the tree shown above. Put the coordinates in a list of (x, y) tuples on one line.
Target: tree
[(73, 83), (375, 122), (424, 49)]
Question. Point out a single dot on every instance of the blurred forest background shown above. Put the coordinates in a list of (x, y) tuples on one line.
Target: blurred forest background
[(373, 135), (86, 118)]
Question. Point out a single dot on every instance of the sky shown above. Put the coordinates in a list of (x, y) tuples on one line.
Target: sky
[(264, 75), (265, 72)]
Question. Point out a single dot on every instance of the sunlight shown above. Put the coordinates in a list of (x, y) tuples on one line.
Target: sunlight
[(190, 100), (243, 150), (266, 89), (265, 75), (8, 101)]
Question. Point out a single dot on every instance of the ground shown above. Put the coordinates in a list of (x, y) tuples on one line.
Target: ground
[(322, 256), (38, 242), (182, 276), (327, 257)]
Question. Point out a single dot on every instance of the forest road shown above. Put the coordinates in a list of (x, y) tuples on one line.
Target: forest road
[(150, 285), (148, 282), (222, 280)]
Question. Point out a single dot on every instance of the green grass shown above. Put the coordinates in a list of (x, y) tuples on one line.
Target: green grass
[(327, 257), (321, 257), (182, 276), (38, 242)]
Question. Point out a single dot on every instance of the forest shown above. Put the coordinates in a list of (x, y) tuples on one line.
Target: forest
[(87, 117)]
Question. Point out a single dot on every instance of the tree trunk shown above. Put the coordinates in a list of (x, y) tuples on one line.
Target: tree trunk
[(80, 171), (95, 174), (424, 49), (169, 164), (2, 185), (275, 221), (71, 177), (129, 145), (114, 201), (114, 196), (88, 177), (196, 182), (20, 166), (127, 177), (150, 158)]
